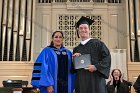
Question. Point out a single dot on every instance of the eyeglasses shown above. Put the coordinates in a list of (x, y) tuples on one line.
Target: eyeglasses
[(58, 37)]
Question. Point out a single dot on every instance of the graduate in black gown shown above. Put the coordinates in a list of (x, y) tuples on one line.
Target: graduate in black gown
[(117, 84), (137, 85), (51, 73), (92, 78)]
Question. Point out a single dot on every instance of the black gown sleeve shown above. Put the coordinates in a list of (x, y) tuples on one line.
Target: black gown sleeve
[(123, 88), (104, 64), (137, 85), (73, 70), (110, 88)]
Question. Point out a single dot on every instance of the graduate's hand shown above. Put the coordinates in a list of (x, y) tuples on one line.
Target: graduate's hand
[(76, 54), (91, 68), (50, 89)]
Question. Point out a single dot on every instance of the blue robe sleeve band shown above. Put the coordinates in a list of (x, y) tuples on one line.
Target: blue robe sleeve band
[(43, 78)]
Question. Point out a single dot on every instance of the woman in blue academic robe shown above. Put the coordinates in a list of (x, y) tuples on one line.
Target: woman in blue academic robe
[(51, 73)]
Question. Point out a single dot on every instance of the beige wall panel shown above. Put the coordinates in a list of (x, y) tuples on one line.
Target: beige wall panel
[(46, 31), (117, 27), (122, 32), (42, 30), (113, 34)]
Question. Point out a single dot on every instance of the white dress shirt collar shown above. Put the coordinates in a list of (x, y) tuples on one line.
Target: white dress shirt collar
[(85, 41)]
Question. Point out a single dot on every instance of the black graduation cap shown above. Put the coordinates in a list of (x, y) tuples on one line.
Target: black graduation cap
[(83, 20)]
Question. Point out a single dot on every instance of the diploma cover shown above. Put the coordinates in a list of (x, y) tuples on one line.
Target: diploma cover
[(82, 61)]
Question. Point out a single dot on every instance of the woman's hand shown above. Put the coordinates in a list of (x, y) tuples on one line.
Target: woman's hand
[(121, 78), (111, 79), (50, 89)]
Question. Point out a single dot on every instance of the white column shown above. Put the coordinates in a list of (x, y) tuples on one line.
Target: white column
[(118, 57)]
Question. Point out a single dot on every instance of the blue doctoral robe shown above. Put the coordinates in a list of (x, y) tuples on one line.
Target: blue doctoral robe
[(46, 70)]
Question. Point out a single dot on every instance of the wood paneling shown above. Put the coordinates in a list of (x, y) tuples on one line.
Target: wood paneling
[(15, 71), (133, 72)]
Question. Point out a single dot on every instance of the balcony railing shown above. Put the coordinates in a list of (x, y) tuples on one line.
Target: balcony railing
[(96, 1)]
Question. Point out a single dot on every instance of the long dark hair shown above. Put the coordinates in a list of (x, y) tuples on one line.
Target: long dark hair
[(114, 82), (51, 44), (114, 70)]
